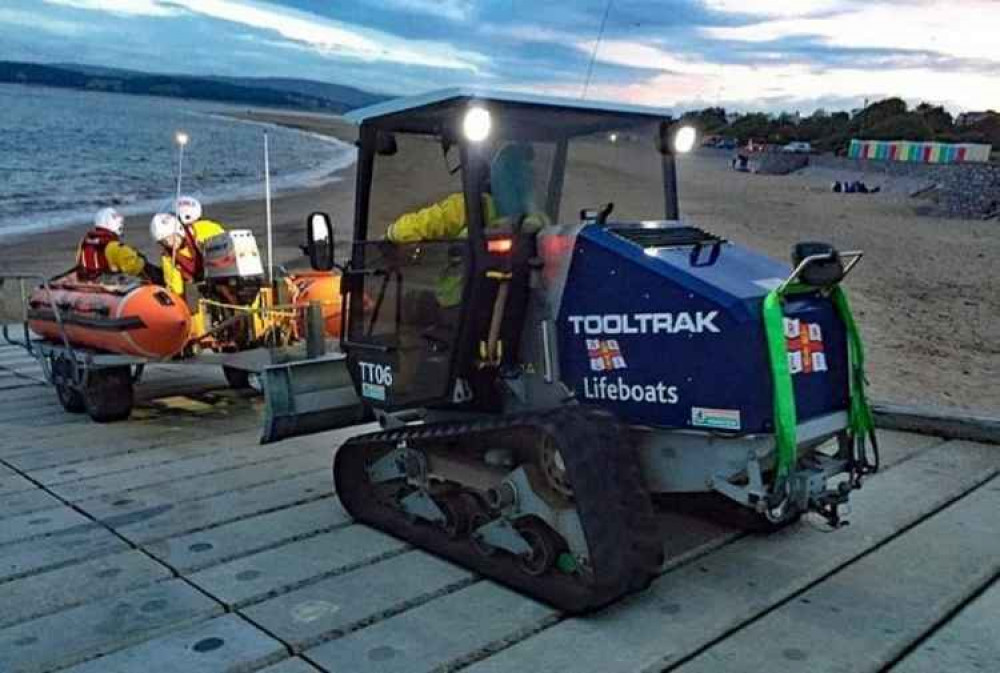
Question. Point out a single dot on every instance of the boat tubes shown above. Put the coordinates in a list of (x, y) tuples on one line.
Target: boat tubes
[(128, 317), (323, 287)]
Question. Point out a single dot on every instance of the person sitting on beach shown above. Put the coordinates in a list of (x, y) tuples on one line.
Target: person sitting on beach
[(102, 251), (181, 245)]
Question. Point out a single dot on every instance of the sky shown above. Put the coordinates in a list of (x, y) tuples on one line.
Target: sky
[(767, 55)]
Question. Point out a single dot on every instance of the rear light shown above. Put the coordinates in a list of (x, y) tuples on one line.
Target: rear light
[(499, 246)]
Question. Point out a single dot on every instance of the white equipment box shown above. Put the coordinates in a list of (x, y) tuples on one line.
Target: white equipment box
[(233, 254)]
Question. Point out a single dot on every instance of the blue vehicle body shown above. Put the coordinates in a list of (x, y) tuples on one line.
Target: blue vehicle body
[(673, 336)]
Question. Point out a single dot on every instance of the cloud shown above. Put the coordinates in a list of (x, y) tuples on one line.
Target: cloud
[(21, 19), (122, 7), (742, 53), (966, 29), (774, 7), (453, 10), (327, 37), (333, 38)]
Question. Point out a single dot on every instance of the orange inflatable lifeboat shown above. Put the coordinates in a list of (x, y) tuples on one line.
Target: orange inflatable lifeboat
[(321, 286), (131, 318)]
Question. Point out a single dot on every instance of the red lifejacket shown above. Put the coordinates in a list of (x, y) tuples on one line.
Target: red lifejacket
[(91, 259), (191, 267)]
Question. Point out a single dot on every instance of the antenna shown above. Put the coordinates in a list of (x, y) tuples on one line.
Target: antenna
[(267, 201), (597, 46), (182, 139)]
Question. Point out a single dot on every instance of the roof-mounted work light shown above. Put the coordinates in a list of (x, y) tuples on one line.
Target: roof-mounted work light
[(476, 124)]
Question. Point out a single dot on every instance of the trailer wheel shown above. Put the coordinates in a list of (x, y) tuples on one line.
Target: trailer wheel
[(109, 396), (238, 379), (69, 397), (71, 400)]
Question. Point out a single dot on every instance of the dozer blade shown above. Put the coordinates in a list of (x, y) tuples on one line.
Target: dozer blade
[(309, 396), (622, 542)]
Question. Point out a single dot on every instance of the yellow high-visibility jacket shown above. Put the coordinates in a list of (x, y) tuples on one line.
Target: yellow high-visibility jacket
[(441, 221), (124, 259), (172, 276)]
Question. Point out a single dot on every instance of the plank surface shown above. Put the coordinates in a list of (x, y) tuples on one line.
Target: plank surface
[(76, 584), (690, 608), (329, 608), (104, 626), (20, 559), (258, 576), (877, 606), (157, 515), (25, 502), (198, 475), (187, 553), (222, 523), (225, 643), (442, 633), (969, 642)]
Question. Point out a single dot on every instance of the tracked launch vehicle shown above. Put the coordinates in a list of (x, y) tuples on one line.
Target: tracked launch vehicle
[(576, 350)]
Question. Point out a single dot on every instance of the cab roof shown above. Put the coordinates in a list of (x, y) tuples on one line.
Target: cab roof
[(431, 112)]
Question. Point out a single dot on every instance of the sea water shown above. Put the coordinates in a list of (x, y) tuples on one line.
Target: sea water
[(64, 154)]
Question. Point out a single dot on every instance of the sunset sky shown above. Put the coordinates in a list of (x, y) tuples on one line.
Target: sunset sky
[(742, 54)]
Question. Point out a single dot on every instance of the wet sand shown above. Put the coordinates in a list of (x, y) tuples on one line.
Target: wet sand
[(927, 295)]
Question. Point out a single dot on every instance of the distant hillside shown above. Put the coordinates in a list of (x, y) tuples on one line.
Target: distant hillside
[(274, 92)]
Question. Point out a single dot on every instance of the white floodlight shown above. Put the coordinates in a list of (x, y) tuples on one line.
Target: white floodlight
[(684, 139), (476, 125), (182, 139)]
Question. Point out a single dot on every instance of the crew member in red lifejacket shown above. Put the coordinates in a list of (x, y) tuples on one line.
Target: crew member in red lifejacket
[(102, 251), (182, 239)]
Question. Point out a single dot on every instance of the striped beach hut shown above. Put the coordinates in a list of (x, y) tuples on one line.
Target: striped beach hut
[(906, 150)]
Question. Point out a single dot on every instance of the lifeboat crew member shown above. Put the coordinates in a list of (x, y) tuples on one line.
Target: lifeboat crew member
[(182, 239), (102, 251)]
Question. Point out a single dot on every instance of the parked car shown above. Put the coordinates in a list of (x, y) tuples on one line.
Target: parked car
[(798, 147)]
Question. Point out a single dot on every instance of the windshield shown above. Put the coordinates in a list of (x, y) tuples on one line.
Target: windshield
[(620, 166)]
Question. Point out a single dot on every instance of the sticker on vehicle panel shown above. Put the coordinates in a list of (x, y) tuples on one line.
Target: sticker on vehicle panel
[(605, 355), (373, 391), (804, 342), (720, 419)]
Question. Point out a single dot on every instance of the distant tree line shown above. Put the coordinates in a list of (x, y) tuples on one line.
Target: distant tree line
[(888, 119), (256, 92)]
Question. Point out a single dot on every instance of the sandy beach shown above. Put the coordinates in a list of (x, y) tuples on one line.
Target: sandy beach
[(927, 295)]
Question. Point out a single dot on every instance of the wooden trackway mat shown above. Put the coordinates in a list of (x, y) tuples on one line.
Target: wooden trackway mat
[(176, 538)]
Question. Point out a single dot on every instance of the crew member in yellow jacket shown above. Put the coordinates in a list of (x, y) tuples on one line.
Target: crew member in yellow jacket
[(182, 239), (511, 200)]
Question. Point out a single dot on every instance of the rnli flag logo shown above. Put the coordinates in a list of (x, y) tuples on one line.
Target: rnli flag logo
[(605, 355), (805, 347)]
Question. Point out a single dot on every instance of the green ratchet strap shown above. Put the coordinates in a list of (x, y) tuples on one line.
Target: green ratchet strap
[(785, 420)]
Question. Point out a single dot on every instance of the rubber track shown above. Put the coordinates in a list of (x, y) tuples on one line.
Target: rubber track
[(614, 508)]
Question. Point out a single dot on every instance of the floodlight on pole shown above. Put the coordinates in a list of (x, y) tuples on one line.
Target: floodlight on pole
[(182, 140)]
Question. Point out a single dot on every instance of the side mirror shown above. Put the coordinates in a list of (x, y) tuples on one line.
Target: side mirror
[(385, 144), (319, 242)]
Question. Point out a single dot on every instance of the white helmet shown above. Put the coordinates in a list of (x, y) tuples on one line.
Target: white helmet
[(188, 209), (110, 219), (165, 225)]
